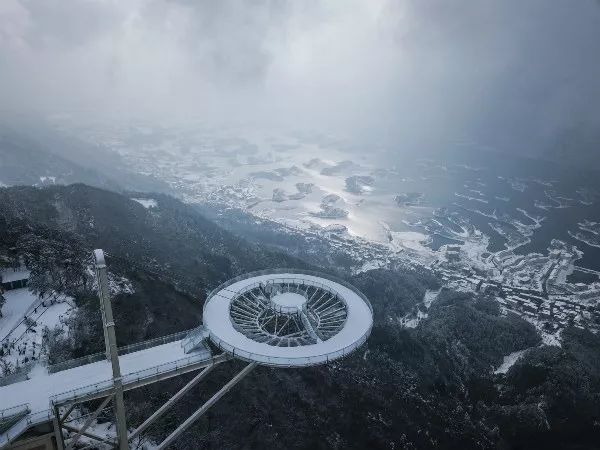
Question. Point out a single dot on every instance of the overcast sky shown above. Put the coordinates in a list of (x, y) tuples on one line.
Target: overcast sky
[(509, 73)]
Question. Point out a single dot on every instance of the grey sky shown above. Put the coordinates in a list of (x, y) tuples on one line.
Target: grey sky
[(514, 74)]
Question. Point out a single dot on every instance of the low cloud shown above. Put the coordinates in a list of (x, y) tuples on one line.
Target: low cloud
[(513, 75)]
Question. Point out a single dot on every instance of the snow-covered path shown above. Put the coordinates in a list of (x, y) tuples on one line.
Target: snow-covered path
[(17, 304), (38, 390)]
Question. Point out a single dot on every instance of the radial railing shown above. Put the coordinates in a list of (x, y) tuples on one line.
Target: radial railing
[(313, 273), (253, 313), (281, 361)]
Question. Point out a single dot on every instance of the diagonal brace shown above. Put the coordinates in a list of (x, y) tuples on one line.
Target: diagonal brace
[(88, 434), (66, 414), (160, 411), (210, 402), (88, 422)]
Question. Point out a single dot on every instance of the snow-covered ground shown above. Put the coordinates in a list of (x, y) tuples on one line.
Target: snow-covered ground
[(22, 327), (370, 265), (18, 303), (311, 182), (509, 361), (146, 202), (48, 180), (589, 233), (401, 240), (107, 430), (117, 284), (412, 320), (8, 275), (419, 312)]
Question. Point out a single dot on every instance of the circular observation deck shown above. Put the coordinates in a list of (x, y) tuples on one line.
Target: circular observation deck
[(289, 318)]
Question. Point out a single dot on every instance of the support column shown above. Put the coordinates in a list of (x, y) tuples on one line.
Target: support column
[(111, 347), (58, 434)]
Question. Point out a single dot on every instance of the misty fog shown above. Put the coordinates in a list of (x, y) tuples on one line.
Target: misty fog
[(518, 76)]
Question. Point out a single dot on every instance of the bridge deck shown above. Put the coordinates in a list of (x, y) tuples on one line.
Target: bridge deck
[(95, 379)]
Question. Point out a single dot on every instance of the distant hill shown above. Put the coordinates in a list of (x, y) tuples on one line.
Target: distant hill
[(33, 154), (24, 162), (578, 146)]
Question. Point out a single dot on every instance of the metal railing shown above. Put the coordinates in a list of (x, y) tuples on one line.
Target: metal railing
[(131, 379), (106, 385), (13, 411), (72, 363), (287, 271), (23, 424), (166, 367), (59, 367), (282, 361), (154, 342), (281, 283), (194, 338)]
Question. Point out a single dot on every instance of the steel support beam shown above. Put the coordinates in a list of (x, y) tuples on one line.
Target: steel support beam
[(58, 419), (65, 416), (58, 435), (160, 411), (87, 423), (111, 347), (210, 402), (88, 434)]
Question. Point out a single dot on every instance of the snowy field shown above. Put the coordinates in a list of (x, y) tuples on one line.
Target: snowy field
[(22, 328), (146, 202), (509, 361)]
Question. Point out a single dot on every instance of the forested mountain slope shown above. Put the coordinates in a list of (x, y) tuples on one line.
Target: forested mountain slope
[(170, 239), (431, 386)]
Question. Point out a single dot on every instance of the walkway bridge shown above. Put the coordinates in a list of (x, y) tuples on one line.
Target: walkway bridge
[(33, 402)]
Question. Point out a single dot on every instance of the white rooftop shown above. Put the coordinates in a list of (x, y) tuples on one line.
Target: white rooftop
[(289, 300)]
